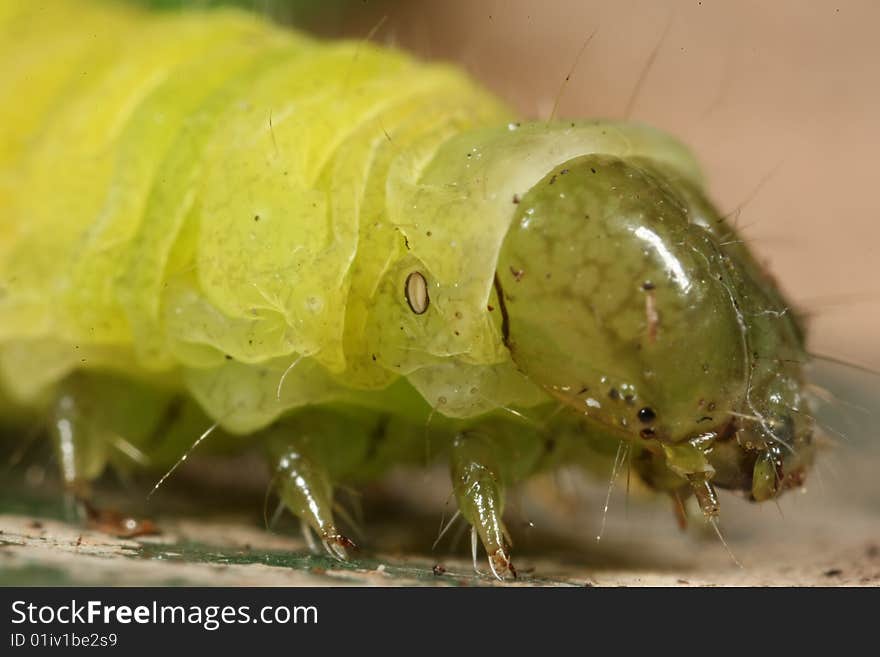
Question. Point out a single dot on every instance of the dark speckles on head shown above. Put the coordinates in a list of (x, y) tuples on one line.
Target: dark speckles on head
[(416, 291)]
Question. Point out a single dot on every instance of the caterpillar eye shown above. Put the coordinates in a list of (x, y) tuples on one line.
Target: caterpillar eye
[(416, 291)]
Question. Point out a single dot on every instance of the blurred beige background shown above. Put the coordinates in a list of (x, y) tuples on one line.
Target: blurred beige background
[(780, 99)]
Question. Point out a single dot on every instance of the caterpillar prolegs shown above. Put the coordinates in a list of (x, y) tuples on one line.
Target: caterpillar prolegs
[(333, 250)]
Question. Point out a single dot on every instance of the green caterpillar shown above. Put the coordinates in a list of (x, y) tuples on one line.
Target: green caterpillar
[(324, 245)]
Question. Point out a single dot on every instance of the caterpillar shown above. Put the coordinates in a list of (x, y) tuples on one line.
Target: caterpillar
[(337, 252)]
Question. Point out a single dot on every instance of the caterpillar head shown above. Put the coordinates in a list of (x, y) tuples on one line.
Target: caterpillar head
[(625, 299)]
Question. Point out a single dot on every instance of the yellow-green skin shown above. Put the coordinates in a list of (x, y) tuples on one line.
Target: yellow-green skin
[(207, 194), (207, 205)]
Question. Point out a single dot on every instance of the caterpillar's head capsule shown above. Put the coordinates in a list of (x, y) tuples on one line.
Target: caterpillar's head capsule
[(629, 298), (762, 456)]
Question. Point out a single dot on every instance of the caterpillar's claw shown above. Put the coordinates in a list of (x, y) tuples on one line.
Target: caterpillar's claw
[(337, 546), (499, 561), (500, 565)]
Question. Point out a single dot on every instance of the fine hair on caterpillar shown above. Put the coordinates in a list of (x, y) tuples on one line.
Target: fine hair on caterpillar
[(349, 259)]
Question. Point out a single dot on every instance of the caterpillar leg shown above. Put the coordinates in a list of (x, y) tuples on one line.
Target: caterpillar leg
[(310, 452), (306, 489), (81, 452), (479, 491), (681, 472), (99, 420)]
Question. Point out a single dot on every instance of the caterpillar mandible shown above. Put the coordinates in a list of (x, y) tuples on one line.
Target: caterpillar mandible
[(328, 247)]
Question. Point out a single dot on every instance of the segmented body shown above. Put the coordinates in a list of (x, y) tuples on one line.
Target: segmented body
[(207, 205)]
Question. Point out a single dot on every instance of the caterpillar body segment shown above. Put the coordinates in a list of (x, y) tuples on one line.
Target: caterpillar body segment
[(212, 227)]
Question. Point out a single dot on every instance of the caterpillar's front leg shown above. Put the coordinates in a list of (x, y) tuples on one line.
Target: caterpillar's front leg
[(681, 471), (479, 489)]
